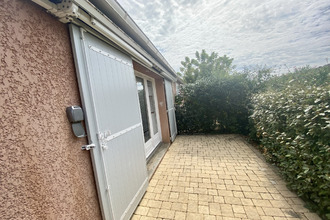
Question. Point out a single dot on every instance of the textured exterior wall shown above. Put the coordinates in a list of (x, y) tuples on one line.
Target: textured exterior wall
[(43, 172), (160, 90)]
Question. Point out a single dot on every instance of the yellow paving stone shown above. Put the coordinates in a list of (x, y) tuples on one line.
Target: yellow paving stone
[(153, 182), (203, 209), (214, 176), (260, 211), (136, 217), (154, 204), (229, 182), (164, 196), (165, 213), (146, 218), (192, 206), (252, 195), (261, 203), (177, 189), (166, 205), (238, 194), (259, 189), (227, 210), (219, 199), (157, 196), (242, 176), (205, 198), (206, 203), (212, 192), (253, 183), (205, 185), (238, 209), (209, 217), (251, 212), (183, 184), (273, 211), (141, 210), (265, 183), (174, 195), (189, 190), (180, 215), (182, 178), (144, 202), (232, 200), (183, 198), (241, 182), (194, 216), (221, 187), (214, 209), (266, 196), (233, 187), (272, 189), (246, 188), (153, 212), (179, 206), (151, 188), (225, 193), (193, 196), (277, 196), (193, 185), (239, 215), (149, 195), (200, 190), (279, 203), (167, 188), (267, 218), (206, 180)]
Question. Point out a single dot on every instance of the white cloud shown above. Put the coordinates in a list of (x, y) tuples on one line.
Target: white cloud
[(273, 32)]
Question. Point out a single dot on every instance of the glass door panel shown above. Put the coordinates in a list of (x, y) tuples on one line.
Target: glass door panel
[(143, 106), (152, 107)]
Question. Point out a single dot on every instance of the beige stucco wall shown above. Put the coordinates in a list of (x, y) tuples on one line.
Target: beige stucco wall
[(43, 172)]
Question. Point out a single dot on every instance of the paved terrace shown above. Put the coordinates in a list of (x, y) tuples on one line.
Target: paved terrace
[(218, 177)]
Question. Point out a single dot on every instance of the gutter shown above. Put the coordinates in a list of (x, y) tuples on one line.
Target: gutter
[(116, 13)]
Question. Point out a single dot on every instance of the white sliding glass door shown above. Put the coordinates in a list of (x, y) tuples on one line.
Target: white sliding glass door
[(149, 112)]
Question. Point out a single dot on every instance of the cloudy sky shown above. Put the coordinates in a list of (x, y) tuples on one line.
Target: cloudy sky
[(281, 33)]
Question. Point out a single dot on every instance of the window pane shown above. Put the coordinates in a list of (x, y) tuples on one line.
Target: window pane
[(143, 107), (152, 107)]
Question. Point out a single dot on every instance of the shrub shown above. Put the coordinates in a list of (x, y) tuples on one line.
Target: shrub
[(214, 105), (292, 122)]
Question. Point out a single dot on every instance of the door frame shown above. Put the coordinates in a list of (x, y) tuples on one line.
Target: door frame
[(155, 139), (170, 107)]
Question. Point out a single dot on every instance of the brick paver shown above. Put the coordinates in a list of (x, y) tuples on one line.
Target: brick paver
[(217, 177)]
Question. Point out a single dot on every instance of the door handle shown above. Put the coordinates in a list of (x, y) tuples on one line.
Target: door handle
[(88, 147)]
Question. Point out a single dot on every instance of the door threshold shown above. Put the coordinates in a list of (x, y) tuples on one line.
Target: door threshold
[(156, 157)]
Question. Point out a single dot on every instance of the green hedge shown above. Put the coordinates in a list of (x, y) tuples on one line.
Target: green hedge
[(214, 105), (292, 122)]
